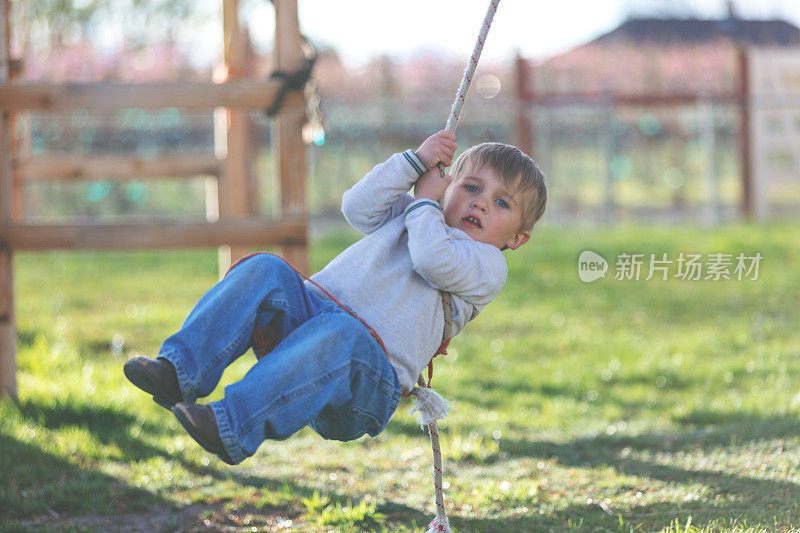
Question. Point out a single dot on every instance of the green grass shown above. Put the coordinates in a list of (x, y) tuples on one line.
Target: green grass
[(608, 406)]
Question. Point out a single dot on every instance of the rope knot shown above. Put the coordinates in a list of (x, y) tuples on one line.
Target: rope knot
[(429, 404)]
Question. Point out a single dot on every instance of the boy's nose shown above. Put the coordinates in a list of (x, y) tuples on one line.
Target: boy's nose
[(479, 203)]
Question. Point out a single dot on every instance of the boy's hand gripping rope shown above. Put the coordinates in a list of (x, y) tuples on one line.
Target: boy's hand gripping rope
[(469, 72), (429, 404)]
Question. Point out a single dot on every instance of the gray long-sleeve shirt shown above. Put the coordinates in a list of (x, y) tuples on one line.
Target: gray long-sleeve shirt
[(393, 276)]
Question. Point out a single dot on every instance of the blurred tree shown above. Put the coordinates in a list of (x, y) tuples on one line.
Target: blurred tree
[(59, 18), (141, 21)]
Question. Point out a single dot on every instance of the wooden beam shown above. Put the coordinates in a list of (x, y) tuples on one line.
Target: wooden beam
[(748, 203), (235, 186), (109, 96), (6, 173), (287, 137), (244, 231), (122, 168), (622, 99), (8, 331), (15, 67), (523, 137)]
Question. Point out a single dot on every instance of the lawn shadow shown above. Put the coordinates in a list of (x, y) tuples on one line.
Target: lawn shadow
[(620, 453), (729, 429), (505, 524), (592, 517), (494, 394), (108, 424), (36, 483)]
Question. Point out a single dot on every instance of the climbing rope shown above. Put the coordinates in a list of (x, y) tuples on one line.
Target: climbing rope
[(430, 405), (469, 72)]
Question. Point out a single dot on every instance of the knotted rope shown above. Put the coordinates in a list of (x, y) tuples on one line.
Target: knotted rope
[(430, 405)]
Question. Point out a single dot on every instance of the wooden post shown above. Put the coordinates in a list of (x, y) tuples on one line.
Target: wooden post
[(611, 146), (234, 184), (707, 134), (15, 67), (289, 151), (8, 334), (6, 171), (524, 131), (745, 135)]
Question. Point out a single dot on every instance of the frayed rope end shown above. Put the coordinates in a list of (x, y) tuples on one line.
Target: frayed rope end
[(430, 405), (439, 525)]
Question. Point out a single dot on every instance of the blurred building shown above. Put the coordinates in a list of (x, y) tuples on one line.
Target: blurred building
[(665, 118), (651, 54)]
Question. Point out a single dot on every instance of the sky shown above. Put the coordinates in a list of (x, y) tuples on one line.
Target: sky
[(363, 29)]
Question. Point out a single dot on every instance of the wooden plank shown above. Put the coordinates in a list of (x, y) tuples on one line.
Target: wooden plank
[(524, 129), (21, 122), (6, 283), (644, 99), (236, 194), (748, 203), (6, 174), (289, 149), (8, 331), (16, 66), (122, 168), (108, 96), (243, 231)]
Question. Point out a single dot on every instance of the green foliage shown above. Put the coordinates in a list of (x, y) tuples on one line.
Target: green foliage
[(76, 19), (320, 511), (474, 447)]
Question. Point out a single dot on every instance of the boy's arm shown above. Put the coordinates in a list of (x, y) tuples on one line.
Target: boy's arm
[(473, 270), (381, 195)]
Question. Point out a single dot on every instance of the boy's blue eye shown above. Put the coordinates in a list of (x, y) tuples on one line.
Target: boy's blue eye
[(502, 203), (471, 188)]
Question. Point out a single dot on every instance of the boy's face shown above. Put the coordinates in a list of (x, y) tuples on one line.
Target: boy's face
[(480, 205)]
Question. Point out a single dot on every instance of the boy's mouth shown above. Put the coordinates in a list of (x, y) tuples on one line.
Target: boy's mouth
[(472, 221)]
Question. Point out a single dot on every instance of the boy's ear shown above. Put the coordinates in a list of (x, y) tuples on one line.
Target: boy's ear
[(518, 239)]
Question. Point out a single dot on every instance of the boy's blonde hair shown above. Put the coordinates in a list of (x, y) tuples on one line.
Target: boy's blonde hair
[(515, 169)]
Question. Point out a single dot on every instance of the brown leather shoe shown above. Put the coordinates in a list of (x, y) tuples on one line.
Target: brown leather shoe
[(200, 422), (156, 377)]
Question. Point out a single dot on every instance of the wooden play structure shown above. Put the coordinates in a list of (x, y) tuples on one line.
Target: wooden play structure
[(234, 226)]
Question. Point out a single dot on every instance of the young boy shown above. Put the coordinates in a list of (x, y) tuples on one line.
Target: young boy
[(340, 370)]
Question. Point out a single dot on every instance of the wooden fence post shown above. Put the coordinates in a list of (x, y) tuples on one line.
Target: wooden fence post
[(745, 135), (611, 147), (8, 334), (234, 185), (524, 130), (287, 126), (708, 139)]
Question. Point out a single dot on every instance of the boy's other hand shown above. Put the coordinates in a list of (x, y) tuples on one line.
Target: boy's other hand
[(432, 185), (438, 148)]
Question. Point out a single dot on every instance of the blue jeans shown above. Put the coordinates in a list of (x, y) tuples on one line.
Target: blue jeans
[(326, 370)]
